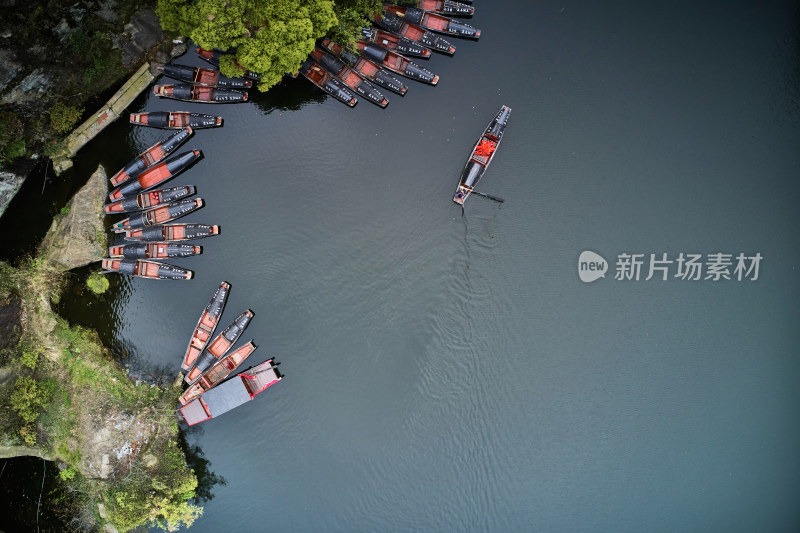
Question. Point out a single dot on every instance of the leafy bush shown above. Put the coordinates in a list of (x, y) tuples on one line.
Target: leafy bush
[(97, 283), (29, 397), (12, 140), (64, 117)]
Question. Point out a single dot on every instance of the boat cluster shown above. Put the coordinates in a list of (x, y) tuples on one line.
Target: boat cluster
[(149, 210), (399, 33), (209, 362)]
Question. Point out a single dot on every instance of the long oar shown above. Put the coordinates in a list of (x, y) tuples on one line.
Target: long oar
[(489, 196)]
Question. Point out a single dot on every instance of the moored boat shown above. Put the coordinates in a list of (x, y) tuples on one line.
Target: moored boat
[(327, 82), (481, 155), (349, 77), (369, 69), (200, 93), (146, 269), (396, 43), (206, 325), (175, 120), (212, 56), (434, 22), (396, 63), (153, 250), (203, 76), (156, 175), (444, 7), (218, 372), (234, 392), (158, 215), (149, 199), (151, 156), (218, 347), (172, 232), (397, 25)]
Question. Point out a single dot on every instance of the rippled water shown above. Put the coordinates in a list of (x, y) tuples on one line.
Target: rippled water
[(451, 373)]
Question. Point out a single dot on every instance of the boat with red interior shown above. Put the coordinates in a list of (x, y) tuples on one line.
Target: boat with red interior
[(219, 346), (434, 21), (151, 156), (397, 25), (369, 69), (156, 175), (396, 63), (444, 7), (175, 120), (203, 76), (146, 200), (213, 56), (143, 268), (327, 82), (200, 93), (234, 392), (206, 325), (218, 372), (396, 43), (158, 215), (481, 155), (153, 250), (349, 77), (172, 232)]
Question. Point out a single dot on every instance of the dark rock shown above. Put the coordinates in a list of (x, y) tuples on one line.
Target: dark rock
[(178, 50), (9, 68), (10, 183), (29, 89), (162, 57), (108, 11), (141, 33)]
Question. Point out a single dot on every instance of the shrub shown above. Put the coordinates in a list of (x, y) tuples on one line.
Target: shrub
[(64, 117), (29, 397), (97, 283), (12, 140)]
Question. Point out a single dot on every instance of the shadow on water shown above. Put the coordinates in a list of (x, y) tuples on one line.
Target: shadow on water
[(290, 94), (206, 478)]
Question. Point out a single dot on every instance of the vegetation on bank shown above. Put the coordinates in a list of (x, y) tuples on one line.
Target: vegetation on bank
[(68, 398), (270, 37)]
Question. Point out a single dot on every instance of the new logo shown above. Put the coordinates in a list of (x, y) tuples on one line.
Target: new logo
[(591, 266)]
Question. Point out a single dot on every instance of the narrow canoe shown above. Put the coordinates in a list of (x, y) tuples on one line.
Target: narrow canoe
[(149, 199), (327, 82), (396, 43), (218, 372), (203, 76), (145, 269), (434, 22), (206, 325), (158, 215), (369, 69), (156, 175), (175, 120), (151, 156), (396, 63), (481, 155), (349, 77), (219, 347), (153, 250), (397, 25), (200, 93), (444, 7), (172, 232)]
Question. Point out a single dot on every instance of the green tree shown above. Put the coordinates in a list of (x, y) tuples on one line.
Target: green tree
[(270, 37)]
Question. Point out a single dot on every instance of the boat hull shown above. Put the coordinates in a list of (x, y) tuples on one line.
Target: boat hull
[(482, 154), (203, 76), (219, 347), (175, 120), (218, 372), (443, 7), (434, 22), (154, 250), (349, 77), (142, 268), (327, 82), (206, 325), (158, 215), (397, 63), (151, 156), (156, 175), (200, 94), (396, 43), (397, 25), (212, 56), (148, 200), (172, 232), (369, 69)]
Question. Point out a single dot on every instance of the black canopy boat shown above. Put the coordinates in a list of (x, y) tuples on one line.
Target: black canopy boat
[(327, 82), (158, 215), (171, 232), (397, 25), (219, 346), (200, 93), (396, 43), (153, 250), (434, 22), (142, 268), (369, 69), (349, 77), (396, 63), (151, 156), (156, 174), (206, 325), (175, 120), (444, 7), (147, 200), (212, 56), (203, 76), (481, 155)]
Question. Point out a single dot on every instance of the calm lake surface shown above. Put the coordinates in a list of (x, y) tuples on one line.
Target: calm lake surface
[(453, 373)]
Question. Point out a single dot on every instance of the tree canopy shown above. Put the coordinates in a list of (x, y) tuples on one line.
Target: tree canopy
[(270, 37)]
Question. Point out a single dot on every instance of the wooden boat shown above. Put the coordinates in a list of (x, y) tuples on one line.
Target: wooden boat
[(369, 69), (327, 82), (203, 76), (153, 250), (212, 56), (396, 63), (151, 156), (218, 372), (481, 155), (172, 232), (397, 25), (145, 269), (146, 200), (175, 120), (156, 175), (158, 215), (200, 93), (219, 347), (396, 43), (444, 7), (434, 22), (206, 325), (234, 392), (349, 77)]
